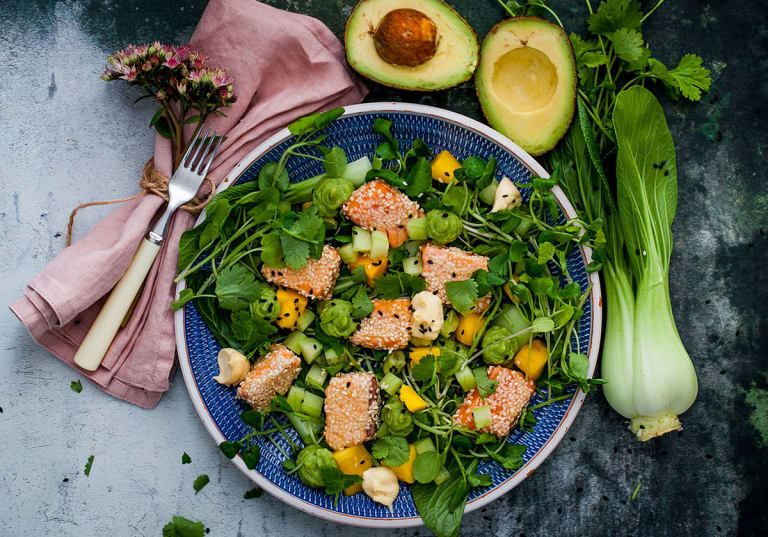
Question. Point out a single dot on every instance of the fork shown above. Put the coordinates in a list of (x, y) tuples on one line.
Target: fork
[(182, 188)]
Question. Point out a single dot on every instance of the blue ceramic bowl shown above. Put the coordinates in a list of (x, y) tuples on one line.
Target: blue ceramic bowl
[(198, 348)]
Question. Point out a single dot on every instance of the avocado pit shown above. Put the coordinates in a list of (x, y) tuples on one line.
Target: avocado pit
[(405, 37), (525, 79)]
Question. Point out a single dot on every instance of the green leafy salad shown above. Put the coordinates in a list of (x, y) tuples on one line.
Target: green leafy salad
[(399, 310)]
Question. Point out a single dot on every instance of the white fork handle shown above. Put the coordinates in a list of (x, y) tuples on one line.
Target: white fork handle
[(96, 343)]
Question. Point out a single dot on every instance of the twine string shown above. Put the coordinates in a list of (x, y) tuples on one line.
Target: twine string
[(152, 182)]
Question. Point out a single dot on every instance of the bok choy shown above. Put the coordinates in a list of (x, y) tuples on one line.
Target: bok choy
[(650, 377)]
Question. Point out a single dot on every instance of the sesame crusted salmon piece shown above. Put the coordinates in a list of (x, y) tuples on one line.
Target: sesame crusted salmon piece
[(377, 205), (315, 280), (443, 264), (513, 392), (272, 374), (387, 327), (351, 409)]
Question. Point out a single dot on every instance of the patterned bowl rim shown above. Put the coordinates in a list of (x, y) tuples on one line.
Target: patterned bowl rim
[(526, 470)]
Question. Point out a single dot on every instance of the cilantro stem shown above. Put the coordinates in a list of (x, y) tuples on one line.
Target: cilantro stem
[(643, 20), (552, 400), (637, 488)]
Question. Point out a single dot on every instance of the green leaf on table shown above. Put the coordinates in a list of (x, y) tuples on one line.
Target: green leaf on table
[(76, 386), (485, 385), (236, 286), (182, 527), (426, 466), (185, 458), (392, 450), (200, 482), (462, 294), (255, 492), (88, 466), (691, 77)]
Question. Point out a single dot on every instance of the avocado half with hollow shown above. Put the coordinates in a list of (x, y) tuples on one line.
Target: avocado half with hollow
[(410, 44), (526, 82)]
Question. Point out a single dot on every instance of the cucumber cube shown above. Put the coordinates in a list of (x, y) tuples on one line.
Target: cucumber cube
[(390, 383), (412, 265), (482, 416), (417, 229), (308, 428), (348, 253), (379, 245), (488, 194), (466, 378), (424, 445), (316, 377), (450, 324), (356, 170), (332, 357), (413, 247), (294, 397), (294, 341), (361, 239), (310, 349), (305, 320), (312, 405)]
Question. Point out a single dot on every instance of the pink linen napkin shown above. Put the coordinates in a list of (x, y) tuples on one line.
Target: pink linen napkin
[(284, 66)]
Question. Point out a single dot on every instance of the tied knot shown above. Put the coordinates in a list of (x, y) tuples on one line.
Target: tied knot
[(151, 182)]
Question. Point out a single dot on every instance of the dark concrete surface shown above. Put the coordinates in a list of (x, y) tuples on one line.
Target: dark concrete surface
[(710, 479)]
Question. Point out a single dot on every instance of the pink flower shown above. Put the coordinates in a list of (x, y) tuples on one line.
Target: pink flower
[(182, 87), (172, 62), (130, 74), (196, 76)]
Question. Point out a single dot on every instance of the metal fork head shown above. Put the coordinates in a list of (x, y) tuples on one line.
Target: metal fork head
[(193, 167), (188, 177)]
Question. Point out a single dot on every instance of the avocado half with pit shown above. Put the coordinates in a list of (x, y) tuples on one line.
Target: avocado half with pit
[(410, 44), (526, 82)]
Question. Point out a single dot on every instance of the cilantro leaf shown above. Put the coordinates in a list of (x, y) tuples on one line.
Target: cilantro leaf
[(394, 285), (76, 386), (361, 303), (627, 43), (462, 294), (295, 251), (517, 251), (182, 527), (546, 251), (236, 287), (242, 327), (200, 482), (691, 77), (271, 251), (485, 385), (184, 296), (424, 369), (255, 492), (392, 450), (613, 15), (336, 480), (88, 466), (185, 458)]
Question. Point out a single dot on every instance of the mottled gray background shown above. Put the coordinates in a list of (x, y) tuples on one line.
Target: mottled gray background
[(66, 137)]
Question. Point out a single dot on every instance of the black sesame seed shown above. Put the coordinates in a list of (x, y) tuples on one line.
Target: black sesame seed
[(430, 262), (376, 263), (286, 314), (462, 332), (415, 261), (453, 274), (296, 308), (354, 232), (348, 384), (447, 174), (505, 195), (271, 307), (445, 215), (314, 346), (400, 226), (273, 273), (66, 479), (410, 215), (374, 228), (262, 300), (295, 300), (381, 312), (279, 273), (397, 316), (295, 324), (434, 292), (362, 462)]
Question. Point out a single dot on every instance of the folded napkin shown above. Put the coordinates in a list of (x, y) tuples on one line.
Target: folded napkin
[(284, 66)]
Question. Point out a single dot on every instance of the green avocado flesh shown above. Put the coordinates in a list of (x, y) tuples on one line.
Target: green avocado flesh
[(453, 61), (526, 82)]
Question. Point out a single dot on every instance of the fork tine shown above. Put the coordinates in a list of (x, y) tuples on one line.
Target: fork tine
[(191, 161), (213, 156), (201, 162), (191, 145)]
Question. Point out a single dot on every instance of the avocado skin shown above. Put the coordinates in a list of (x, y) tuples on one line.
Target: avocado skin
[(569, 111)]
